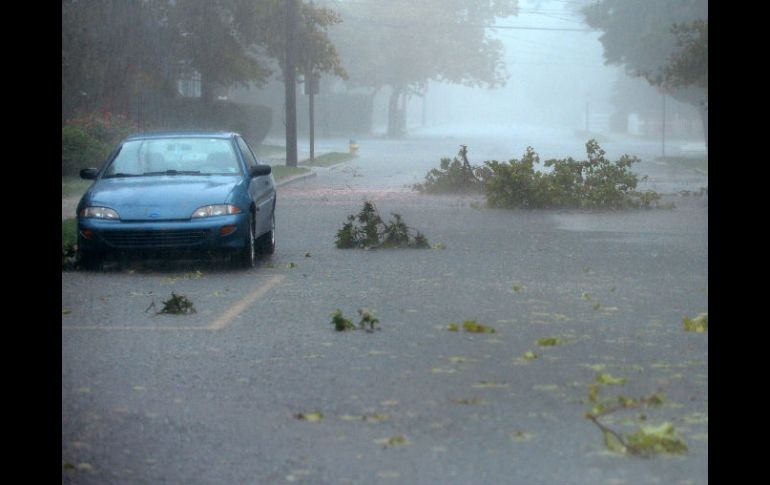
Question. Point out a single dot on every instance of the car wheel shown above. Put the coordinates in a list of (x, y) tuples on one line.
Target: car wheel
[(266, 242), (248, 255), (91, 261)]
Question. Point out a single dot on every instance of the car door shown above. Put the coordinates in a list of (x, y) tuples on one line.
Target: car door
[(261, 190)]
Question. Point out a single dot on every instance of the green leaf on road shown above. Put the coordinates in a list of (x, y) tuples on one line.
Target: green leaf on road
[(605, 378), (656, 439), (522, 436), (397, 440), (548, 342), (473, 327), (310, 417), (697, 324)]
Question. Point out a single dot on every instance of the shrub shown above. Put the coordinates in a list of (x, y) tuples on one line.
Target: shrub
[(80, 150), (88, 140)]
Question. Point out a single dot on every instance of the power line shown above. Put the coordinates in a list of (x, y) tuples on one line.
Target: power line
[(477, 26), (516, 27)]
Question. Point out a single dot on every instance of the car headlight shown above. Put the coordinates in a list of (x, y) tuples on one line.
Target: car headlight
[(216, 210), (99, 213)]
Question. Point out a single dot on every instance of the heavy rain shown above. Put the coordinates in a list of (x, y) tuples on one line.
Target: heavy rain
[(384, 242)]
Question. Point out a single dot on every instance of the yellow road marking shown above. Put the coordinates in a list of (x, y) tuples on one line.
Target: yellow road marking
[(218, 324), (239, 307)]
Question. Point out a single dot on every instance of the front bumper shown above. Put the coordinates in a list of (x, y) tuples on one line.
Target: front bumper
[(194, 235)]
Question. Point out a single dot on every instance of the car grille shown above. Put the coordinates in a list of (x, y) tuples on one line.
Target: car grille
[(154, 239)]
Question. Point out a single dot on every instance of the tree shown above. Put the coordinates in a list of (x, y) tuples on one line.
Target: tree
[(404, 44), (214, 37), (689, 65), (294, 34), (109, 49), (663, 41)]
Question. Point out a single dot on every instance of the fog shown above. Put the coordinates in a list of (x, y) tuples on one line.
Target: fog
[(234, 361), (556, 79)]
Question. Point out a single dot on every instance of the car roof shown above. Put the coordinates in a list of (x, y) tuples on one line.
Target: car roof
[(182, 134)]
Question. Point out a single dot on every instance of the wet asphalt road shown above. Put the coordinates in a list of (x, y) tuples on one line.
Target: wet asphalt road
[(213, 397)]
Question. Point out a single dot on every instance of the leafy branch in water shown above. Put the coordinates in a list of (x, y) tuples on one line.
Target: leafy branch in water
[(340, 322), (368, 321), (595, 183), (372, 232), (646, 440), (177, 304), (456, 176)]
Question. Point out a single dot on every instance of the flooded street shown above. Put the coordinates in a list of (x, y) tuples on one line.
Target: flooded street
[(347, 324), (219, 396)]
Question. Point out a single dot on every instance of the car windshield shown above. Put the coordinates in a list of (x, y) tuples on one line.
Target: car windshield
[(174, 156)]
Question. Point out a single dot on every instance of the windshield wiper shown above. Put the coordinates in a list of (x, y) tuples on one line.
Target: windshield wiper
[(175, 172), (122, 174)]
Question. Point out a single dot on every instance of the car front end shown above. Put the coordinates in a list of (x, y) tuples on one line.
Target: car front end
[(163, 216), (109, 237)]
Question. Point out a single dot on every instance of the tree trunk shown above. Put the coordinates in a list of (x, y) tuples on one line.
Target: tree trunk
[(372, 96), (704, 116), (207, 88), (395, 126)]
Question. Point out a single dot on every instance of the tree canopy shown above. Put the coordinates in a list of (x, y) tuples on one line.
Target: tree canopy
[(662, 40), (404, 44), (689, 65), (110, 48)]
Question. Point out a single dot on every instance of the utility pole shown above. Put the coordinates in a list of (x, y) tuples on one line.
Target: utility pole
[(289, 83), (311, 89), (312, 125)]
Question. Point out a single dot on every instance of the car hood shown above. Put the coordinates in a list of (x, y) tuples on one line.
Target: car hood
[(158, 198)]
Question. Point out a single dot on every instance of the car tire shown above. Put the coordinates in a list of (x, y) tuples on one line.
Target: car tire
[(247, 257), (266, 242)]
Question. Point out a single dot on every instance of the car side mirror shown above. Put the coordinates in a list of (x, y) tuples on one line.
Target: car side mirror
[(260, 170), (89, 173)]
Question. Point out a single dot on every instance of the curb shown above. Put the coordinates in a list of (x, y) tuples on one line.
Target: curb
[(294, 178)]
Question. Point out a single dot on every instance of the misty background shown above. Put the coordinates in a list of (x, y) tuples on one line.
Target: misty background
[(455, 68), (556, 81)]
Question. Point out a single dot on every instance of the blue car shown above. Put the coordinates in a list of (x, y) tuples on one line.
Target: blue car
[(162, 193)]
